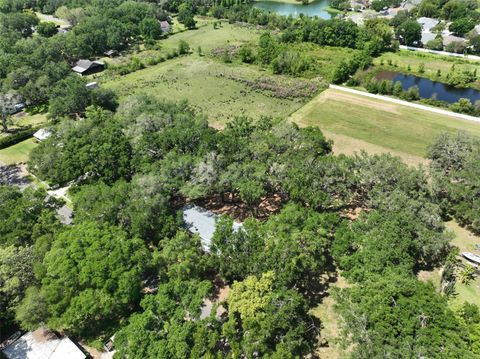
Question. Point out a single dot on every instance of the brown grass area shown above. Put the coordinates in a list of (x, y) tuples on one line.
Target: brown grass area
[(329, 347), (346, 145)]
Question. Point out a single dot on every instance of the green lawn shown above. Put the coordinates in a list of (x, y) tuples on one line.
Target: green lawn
[(17, 153), (432, 64), (23, 119), (391, 126), (465, 241)]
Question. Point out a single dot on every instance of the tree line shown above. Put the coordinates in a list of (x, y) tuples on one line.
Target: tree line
[(132, 169)]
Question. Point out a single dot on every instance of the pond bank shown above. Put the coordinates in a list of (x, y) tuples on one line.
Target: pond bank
[(428, 88)]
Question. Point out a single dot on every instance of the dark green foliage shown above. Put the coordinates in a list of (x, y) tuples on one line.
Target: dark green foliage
[(95, 148), (409, 32), (455, 162), (397, 316), (20, 213), (92, 275), (292, 244), (47, 29), (69, 97)]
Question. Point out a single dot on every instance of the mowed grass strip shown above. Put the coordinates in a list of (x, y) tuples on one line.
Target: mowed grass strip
[(18, 152), (206, 85), (392, 126)]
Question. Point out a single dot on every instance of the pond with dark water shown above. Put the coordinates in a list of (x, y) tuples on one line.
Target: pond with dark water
[(315, 8), (429, 88)]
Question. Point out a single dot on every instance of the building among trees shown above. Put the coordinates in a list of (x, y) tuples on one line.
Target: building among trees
[(87, 67)]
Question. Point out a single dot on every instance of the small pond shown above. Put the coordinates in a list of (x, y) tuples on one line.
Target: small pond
[(428, 88), (315, 8)]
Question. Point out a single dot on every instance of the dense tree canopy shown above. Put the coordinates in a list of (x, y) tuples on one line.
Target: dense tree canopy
[(92, 275)]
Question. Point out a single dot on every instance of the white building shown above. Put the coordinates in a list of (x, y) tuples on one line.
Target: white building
[(427, 23), (201, 221), (42, 134), (42, 344)]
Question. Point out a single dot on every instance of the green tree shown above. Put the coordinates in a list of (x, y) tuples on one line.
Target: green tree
[(93, 275), (69, 97), (47, 29), (265, 321), (409, 32)]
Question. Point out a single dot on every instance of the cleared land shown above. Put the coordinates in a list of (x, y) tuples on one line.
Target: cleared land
[(218, 90), (17, 153), (394, 127), (465, 241)]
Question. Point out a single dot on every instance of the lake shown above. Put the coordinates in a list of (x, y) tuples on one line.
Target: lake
[(315, 8), (428, 88)]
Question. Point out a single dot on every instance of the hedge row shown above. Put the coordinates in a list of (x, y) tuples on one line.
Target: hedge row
[(17, 137)]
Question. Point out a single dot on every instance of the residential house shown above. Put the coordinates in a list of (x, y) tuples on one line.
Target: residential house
[(427, 36), (87, 67), (42, 134), (427, 23), (92, 85), (42, 343), (165, 26), (201, 221)]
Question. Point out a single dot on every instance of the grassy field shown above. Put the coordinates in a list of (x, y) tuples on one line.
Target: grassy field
[(17, 153), (465, 241), (218, 90), (432, 63), (396, 128), (205, 36)]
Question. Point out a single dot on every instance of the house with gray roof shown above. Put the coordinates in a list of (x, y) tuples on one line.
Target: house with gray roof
[(165, 26), (42, 344), (203, 222), (427, 23), (87, 67)]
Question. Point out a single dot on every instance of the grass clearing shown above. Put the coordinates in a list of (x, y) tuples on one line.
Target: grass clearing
[(208, 86), (465, 241), (330, 325), (395, 127), (17, 153), (432, 63)]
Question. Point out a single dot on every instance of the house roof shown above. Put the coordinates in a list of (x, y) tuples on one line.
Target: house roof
[(43, 344), (42, 134), (427, 36), (203, 222), (447, 40), (427, 23), (164, 24), (83, 65)]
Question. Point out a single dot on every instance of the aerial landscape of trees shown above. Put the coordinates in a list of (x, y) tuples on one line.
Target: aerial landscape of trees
[(358, 228)]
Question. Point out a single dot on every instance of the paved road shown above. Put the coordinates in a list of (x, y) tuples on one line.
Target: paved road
[(443, 53), (440, 111)]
